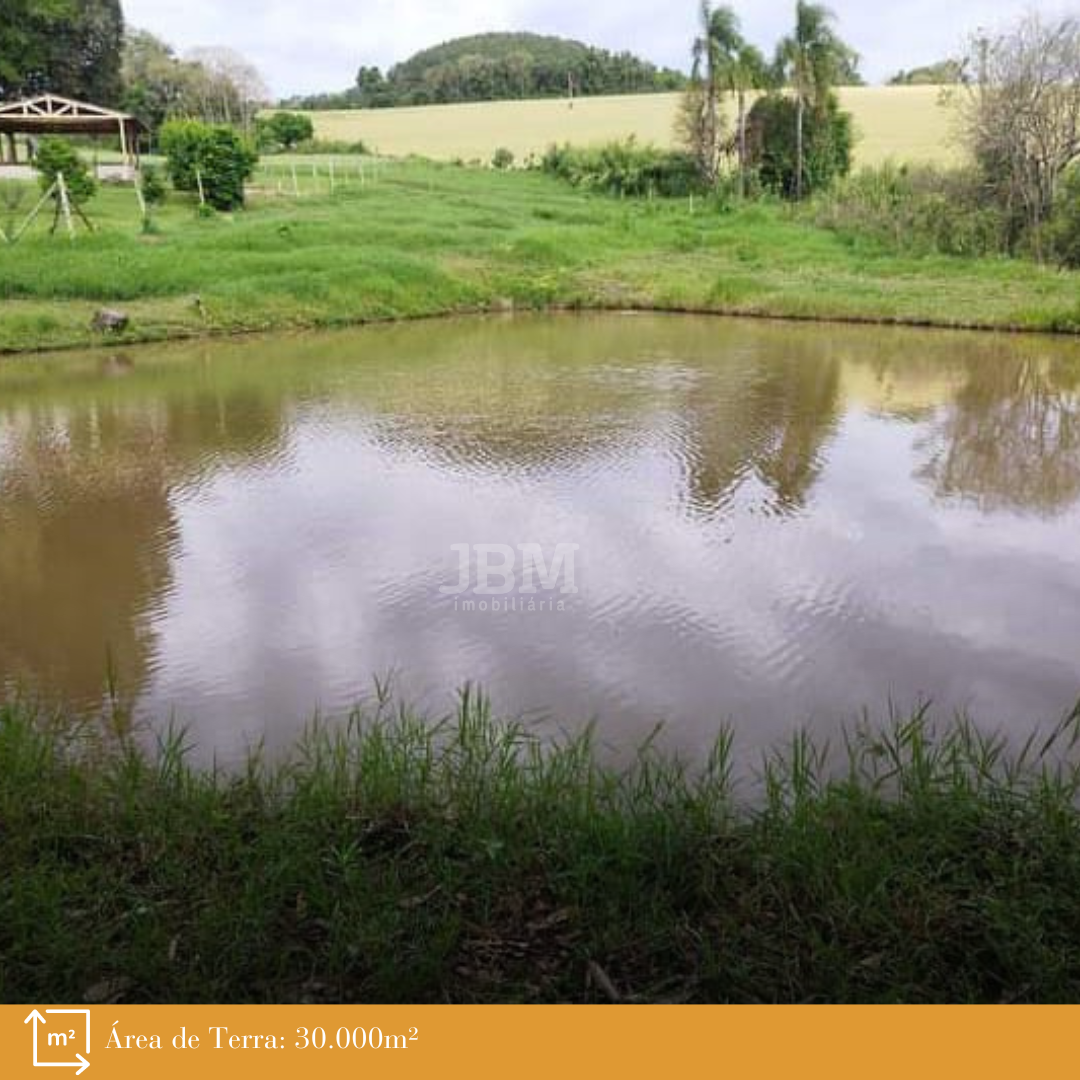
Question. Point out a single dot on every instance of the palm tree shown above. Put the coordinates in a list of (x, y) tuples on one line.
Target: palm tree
[(716, 50), (725, 62), (810, 60), (749, 72)]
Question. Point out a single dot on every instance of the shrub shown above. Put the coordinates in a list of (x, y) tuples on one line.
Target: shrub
[(56, 156), (331, 146), (772, 144), (921, 209), (284, 129), (503, 159), (624, 168), (214, 154), (226, 163), (180, 141), (1063, 232), (153, 187), (925, 209)]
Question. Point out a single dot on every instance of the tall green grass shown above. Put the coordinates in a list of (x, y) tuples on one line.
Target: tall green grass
[(397, 859), (413, 239)]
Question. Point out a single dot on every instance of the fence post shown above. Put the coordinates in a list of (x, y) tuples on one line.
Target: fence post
[(139, 195)]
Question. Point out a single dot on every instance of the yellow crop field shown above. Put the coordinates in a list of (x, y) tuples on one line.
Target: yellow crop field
[(905, 123)]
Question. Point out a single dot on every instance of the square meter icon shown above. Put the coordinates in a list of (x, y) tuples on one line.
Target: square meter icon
[(60, 1038)]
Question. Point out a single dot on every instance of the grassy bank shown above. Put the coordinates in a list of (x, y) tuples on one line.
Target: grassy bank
[(464, 862), (426, 240)]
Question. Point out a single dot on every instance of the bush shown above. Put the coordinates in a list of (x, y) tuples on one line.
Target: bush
[(213, 153), (180, 141), (284, 129), (921, 209), (331, 146), (226, 163), (624, 168), (56, 156), (153, 187), (503, 159), (772, 144), (1063, 232), (924, 209)]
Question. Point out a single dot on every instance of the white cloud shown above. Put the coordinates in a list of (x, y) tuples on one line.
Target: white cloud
[(319, 44)]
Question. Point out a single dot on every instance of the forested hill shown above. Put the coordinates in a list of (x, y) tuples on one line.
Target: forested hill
[(495, 67)]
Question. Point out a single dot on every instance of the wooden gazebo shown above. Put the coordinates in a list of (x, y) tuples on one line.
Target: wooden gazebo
[(49, 114)]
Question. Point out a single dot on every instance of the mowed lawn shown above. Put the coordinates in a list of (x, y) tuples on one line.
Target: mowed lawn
[(905, 123)]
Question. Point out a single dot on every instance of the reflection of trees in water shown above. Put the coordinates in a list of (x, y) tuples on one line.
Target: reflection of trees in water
[(90, 455), (729, 402), (77, 583), (1002, 413), (763, 417), (1010, 440), (87, 532), (756, 402), (241, 426), (769, 420)]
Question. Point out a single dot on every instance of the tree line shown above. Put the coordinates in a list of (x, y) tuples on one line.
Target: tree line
[(789, 135), (752, 124), (943, 73), (82, 49), (497, 67), (1016, 94), (66, 47), (212, 84)]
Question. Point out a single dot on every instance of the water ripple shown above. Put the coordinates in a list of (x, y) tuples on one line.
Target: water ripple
[(771, 522)]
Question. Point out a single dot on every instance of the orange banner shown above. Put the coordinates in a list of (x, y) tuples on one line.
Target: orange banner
[(207, 1042)]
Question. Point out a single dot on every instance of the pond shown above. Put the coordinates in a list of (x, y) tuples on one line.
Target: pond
[(616, 519)]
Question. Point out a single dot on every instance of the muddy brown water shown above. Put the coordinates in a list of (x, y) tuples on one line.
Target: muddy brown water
[(765, 525)]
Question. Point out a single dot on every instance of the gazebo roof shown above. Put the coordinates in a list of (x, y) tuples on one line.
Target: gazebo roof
[(49, 114)]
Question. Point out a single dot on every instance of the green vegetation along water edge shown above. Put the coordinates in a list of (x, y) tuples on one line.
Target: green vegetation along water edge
[(410, 239), (398, 860)]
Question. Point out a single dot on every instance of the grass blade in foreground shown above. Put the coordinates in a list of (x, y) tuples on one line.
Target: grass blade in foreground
[(396, 860)]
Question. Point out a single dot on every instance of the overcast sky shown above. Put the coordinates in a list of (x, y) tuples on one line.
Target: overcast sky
[(314, 45)]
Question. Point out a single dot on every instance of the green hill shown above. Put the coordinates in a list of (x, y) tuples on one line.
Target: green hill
[(538, 48), (500, 67), (495, 67)]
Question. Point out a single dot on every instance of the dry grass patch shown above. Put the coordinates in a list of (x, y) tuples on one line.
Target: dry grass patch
[(907, 123)]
